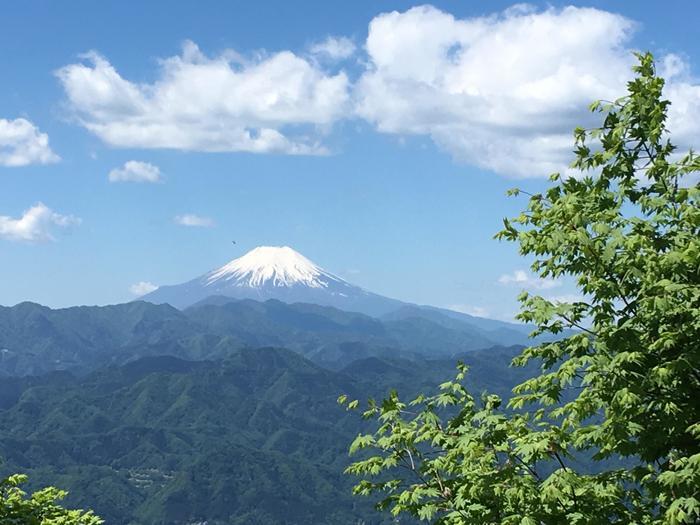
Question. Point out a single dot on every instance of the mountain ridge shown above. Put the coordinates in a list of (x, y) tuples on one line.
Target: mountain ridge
[(35, 339)]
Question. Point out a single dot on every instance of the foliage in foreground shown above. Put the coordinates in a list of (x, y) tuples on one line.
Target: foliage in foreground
[(624, 389), (41, 508)]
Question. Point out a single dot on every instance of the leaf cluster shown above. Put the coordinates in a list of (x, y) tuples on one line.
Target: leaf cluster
[(39, 508)]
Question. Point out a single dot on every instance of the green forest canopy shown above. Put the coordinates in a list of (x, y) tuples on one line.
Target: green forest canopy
[(40, 508)]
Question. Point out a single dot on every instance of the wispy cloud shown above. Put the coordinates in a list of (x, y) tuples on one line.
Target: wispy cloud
[(21, 144), (565, 298), (528, 281), (142, 288), (334, 48), (193, 220), (35, 225), (135, 171), (477, 311)]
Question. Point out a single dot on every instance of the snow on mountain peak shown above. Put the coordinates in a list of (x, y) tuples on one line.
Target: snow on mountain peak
[(274, 273), (277, 265)]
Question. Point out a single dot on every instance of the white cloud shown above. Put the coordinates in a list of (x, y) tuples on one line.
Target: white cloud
[(476, 311), (565, 298), (271, 103), (142, 288), (502, 92), (135, 171), (35, 225), (528, 281), (21, 144), (334, 48), (684, 93), (190, 219)]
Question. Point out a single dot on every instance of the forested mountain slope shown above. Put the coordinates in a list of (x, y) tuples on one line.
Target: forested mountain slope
[(256, 437)]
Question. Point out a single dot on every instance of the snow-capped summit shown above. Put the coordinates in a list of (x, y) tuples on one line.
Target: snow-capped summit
[(274, 272), (275, 265)]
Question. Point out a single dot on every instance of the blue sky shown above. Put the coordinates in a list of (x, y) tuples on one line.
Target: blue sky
[(378, 144)]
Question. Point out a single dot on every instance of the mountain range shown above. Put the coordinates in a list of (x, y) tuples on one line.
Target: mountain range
[(214, 401), (35, 339), (255, 437)]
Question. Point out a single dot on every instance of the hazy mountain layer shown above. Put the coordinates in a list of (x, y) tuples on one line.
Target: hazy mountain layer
[(35, 339)]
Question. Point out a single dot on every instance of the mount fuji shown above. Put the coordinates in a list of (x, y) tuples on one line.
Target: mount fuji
[(274, 272)]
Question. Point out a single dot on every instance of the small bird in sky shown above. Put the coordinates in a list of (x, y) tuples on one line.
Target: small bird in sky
[(234, 242)]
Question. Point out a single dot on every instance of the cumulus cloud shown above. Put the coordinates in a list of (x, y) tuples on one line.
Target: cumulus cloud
[(21, 144), (135, 171), (528, 281), (271, 103), (192, 220), (142, 288), (334, 48), (500, 92), (35, 225), (503, 92)]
